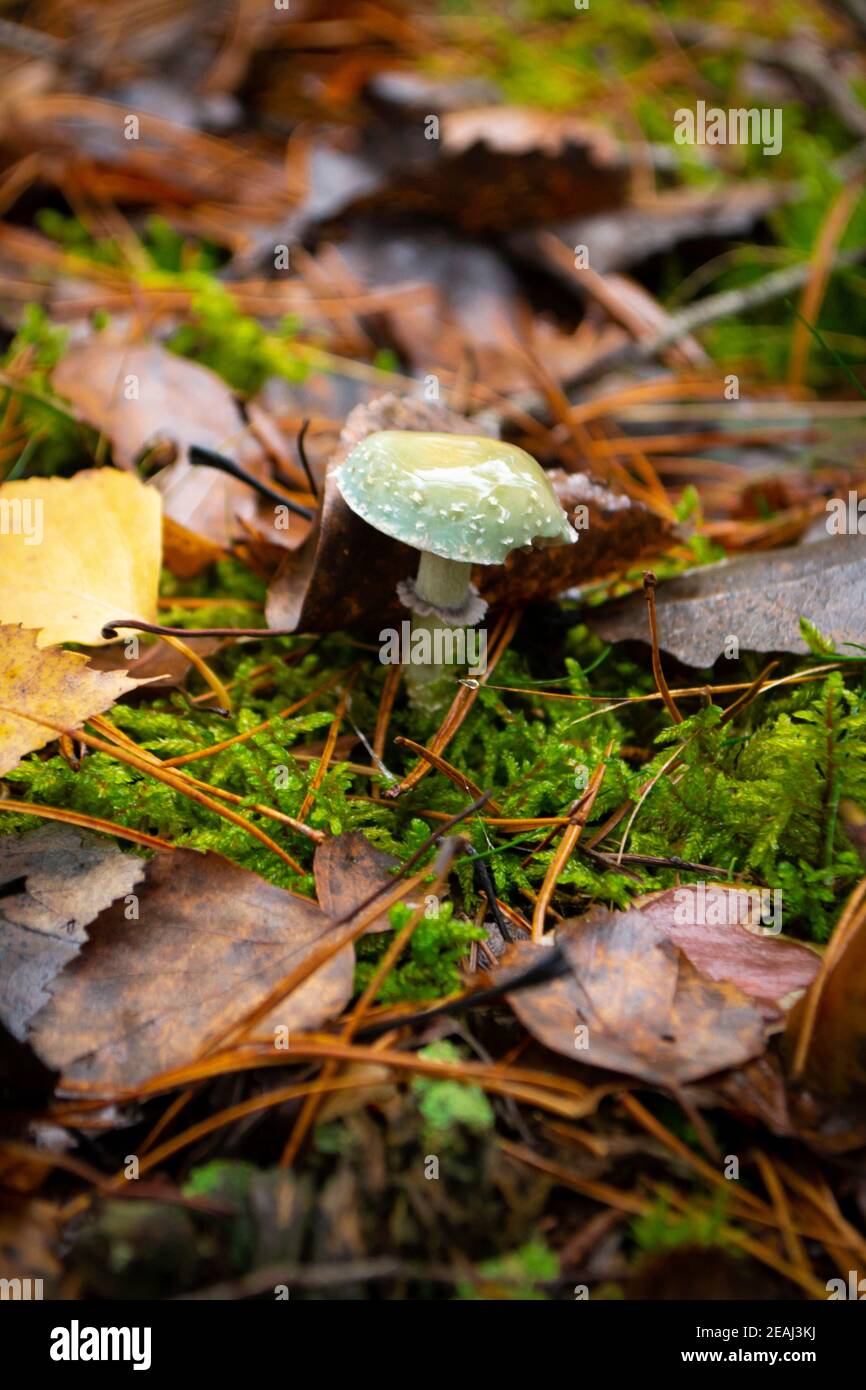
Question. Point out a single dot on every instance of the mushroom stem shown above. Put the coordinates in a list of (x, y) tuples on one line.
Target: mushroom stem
[(443, 601), (442, 583)]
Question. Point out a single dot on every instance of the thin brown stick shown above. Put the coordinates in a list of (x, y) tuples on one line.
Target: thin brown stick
[(649, 586), (454, 775), (380, 974), (330, 743), (105, 827), (748, 695), (566, 849)]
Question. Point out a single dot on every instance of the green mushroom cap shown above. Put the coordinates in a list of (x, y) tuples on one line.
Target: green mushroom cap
[(463, 497)]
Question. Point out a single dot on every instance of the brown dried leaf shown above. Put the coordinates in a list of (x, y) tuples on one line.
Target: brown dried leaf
[(163, 667), (758, 598), (649, 1013), (67, 877), (327, 584), (730, 942), (179, 403), (835, 1060), (150, 994), (348, 870)]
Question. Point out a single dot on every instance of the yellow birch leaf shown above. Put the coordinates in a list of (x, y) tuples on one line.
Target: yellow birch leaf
[(55, 685), (76, 553)]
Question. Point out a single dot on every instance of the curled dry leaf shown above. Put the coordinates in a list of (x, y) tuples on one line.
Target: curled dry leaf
[(184, 404), (348, 870), (53, 881), (54, 685), (760, 598), (647, 1011), (80, 551), (327, 583), (721, 931), (151, 993)]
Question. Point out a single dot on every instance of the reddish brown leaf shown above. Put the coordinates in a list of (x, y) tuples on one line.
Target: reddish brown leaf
[(646, 1010), (719, 929)]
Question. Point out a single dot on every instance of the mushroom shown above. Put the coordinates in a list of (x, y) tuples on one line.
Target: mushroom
[(460, 500)]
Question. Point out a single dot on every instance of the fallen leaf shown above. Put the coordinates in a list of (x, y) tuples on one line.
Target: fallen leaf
[(327, 585), (719, 929), (758, 1089), (210, 941), (53, 881), (186, 554), (647, 1011), (760, 598), (161, 666), (348, 870), (834, 1064), (493, 168), (629, 235), (55, 685), (87, 550), (178, 403)]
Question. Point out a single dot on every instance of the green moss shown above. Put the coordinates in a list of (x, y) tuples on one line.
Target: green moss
[(662, 1228), (233, 344), (430, 966), (757, 797), (521, 1272), (447, 1106)]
